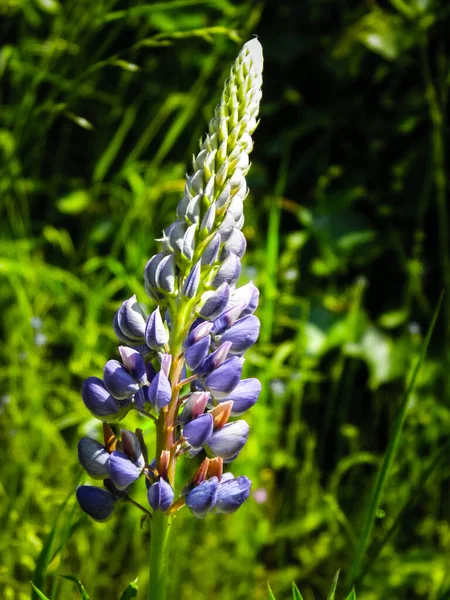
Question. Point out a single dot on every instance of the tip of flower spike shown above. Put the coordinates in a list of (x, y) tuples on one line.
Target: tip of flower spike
[(256, 52)]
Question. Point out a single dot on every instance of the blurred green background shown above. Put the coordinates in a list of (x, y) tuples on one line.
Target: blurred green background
[(101, 107)]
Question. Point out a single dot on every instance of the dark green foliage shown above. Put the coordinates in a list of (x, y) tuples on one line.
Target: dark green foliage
[(101, 106)]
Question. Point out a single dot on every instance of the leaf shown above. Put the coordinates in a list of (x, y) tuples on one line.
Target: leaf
[(38, 592), (296, 592), (80, 586), (74, 203), (269, 589), (351, 596), (332, 592), (130, 591)]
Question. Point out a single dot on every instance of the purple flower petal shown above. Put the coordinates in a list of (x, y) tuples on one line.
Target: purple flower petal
[(156, 334), (122, 470), (196, 353), (215, 302), (202, 498), (229, 441), (242, 334), (160, 495), (231, 494), (93, 458), (134, 363), (194, 406), (98, 400), (160, 391), (118, 381), (214, 360), (224, 379), (198, 431), (229, 271), (211, 252), (244, 396), (96, 502), (192, 282), (130, 320)]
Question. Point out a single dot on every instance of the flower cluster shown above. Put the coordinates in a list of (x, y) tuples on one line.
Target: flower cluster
[(182, 364)]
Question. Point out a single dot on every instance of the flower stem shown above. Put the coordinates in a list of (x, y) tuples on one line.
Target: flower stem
[(159, 556)]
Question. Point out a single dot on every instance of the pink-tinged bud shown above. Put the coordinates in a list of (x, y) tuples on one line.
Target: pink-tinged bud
[(194, 406), (214, 360), (134, 364), (199, 332), (221, 413), (166, 363), (215, 468), (163, 464)]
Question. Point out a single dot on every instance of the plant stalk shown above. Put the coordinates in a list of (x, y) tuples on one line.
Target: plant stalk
[(159, 556)]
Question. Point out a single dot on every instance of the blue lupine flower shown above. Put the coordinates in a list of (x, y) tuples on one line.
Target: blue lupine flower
[(129, 322), (118, 381), (202, 498), (194, 406), (197, 333), (160, 391), (93, 458), (160, 495), (99, 401), (229, 441), (156, 334), (232, 493), (214, 303), (198, 431), (122, 470), (96, 502), (242, 334), (194, 355), (134, 364), (225, 378), (244, 396)]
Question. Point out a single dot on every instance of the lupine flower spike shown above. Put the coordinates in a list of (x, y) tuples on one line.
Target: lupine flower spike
[(181, 364)]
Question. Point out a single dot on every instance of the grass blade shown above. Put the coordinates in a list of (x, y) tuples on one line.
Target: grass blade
[(332, 592), (80, 586), (269, 589), (296, 592), (38, 592), (389, 458), (352, 595), (130, 591)]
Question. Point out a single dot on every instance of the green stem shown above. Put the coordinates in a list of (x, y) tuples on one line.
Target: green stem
[(159, 556)]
